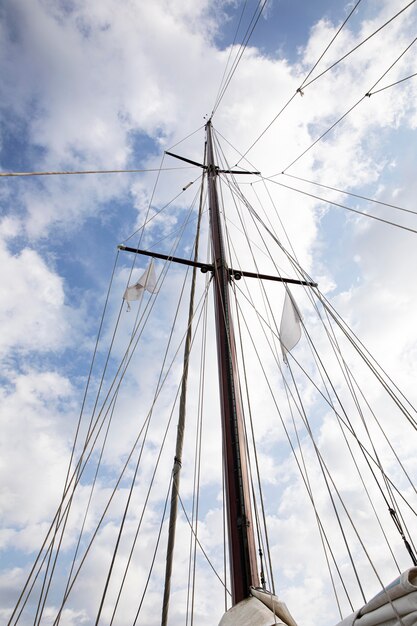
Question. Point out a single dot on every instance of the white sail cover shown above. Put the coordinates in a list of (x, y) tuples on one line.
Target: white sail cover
[(396, 605), (262, 608), (146, 281), (290, 331)]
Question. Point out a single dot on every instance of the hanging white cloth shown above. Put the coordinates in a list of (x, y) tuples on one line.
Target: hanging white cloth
[(290, 330), (146, 281)]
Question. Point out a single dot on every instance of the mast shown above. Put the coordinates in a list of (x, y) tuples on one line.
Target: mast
[(242, 551)]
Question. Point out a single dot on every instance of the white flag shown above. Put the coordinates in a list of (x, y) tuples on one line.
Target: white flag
[(290, 331), (146, 281)]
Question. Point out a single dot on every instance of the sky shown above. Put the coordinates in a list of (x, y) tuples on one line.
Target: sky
[(107, 85)]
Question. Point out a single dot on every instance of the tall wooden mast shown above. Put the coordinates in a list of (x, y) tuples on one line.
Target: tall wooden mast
[(240, 527)]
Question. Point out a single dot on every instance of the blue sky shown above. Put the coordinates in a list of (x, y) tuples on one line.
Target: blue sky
[(104, 85)]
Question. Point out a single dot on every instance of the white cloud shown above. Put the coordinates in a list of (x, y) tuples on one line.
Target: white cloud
[(33, 315)]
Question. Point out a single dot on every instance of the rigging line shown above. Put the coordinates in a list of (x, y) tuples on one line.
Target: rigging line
[(216, 132), (148, 209), (157, 212), (197, 476), (342, 324), (240, 52), (57, 519), (254, 245), (81, 172), (323, 467), (197, 451), (90, 497), (77, 472), (30, 588), (52, 525), (368, 358), (392, 65), (284, 379), (76, 437), (242, 502), (340, 360), (258, 475), (378, 376), (347, 112), (277, 213), (173, 232), (181, 424), (150, 487), (328, 46), (201, 547), (348, 375), (224, 535), (360, 44), (323, 536), (181, 230), (133, 481), (158, 391), (253, 213), (343, 206), (187, 137), (253, 144), (299, 90), (139, 458), (303, 477), (346, 425), (137, 531), (203, 308), (349, 193), (342, 502), (154, 554), (322, 135), (230, 51), (197, 464), (351, 375), (347, 547), (371, 93), (315, 306)]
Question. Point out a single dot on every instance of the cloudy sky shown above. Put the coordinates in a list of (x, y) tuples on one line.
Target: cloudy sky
[(107, 85)]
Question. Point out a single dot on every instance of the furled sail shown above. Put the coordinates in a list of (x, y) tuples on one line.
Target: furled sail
[(395, 605), (261, 608)]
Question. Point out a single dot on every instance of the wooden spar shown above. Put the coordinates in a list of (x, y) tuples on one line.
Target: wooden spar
[(242, 551)]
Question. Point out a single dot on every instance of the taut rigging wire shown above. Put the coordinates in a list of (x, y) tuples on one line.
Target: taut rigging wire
[(389, 490), (156, 395), (348, 111), (371, 93), (325, 398), (304, 83), (81, 464), (299, 90), (341, 528), (176, 471), (255, 18), (360, 44), (230, 51), (303, 476), (350, 193), (82, 172), (343, 206)]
